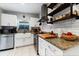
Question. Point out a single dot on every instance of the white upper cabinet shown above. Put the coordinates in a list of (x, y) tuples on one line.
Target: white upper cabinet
[(8, 20)]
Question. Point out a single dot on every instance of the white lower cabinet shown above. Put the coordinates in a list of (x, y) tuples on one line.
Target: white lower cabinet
[(47, 49), (42, 51), (18, 42), (22, 39), (41, 47), (28, 41)]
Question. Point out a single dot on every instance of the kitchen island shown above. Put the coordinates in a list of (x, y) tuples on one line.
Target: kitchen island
[(58, 47)]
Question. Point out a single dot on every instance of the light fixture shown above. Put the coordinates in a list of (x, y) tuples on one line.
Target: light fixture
[(23, 16)]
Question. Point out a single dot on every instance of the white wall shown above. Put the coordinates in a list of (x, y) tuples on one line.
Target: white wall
[(0, 15)]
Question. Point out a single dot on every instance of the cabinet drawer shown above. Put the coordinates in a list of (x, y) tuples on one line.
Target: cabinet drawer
[(19, 35), (28, 35)]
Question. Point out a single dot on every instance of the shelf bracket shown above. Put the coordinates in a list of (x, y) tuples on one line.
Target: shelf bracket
[(71, 9)]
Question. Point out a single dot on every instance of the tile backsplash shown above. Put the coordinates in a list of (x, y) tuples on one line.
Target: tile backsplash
[(71, 25)]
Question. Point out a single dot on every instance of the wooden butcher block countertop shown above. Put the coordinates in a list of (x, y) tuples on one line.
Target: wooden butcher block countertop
[(61, 43)]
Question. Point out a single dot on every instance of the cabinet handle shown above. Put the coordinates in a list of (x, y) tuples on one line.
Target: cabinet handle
[(27, 37)]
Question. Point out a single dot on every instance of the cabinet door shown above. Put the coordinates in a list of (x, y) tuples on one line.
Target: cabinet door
[(41, 47), (18, 42), (41, 50), (8, 20), (28, 39)]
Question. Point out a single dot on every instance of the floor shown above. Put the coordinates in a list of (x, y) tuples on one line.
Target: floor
[(21, 51)]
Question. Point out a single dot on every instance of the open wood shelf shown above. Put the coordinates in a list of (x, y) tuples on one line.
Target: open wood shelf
[(66, 18), (51, 6), (60, 8)]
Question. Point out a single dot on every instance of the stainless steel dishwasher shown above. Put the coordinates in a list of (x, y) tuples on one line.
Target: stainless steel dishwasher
[(6, 41)]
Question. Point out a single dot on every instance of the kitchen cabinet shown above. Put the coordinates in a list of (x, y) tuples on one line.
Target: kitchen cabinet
[(18, 42), (47, 49), (19, 39), (23, 39), (41, 47), (28, 39), (54, 50), (8, 20)]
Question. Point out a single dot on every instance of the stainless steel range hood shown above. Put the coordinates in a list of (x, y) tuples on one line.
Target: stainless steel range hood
[(43, 13)]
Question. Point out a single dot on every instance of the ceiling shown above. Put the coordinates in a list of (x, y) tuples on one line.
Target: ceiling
[(22, 7)]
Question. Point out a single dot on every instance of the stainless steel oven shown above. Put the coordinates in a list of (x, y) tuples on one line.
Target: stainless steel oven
[(6, 41), (7, 37)]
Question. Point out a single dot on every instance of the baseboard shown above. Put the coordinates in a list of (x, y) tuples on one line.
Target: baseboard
[(24, 46), (6, 49)]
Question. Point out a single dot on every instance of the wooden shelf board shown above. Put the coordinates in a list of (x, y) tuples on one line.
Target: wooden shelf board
[(65, 18), (60, 8), (51, 6)]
